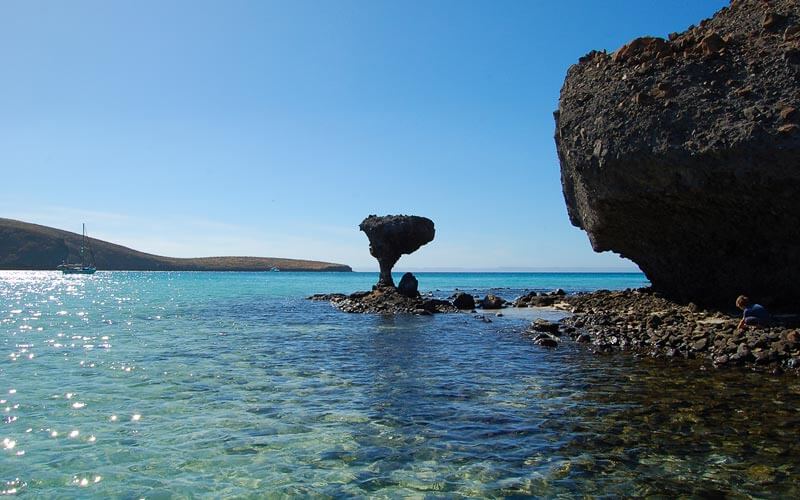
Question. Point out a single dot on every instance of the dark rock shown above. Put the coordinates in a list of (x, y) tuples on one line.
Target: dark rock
[(542, 325), (437, 305), (545, 341), (391, 236), (464, 300), (327, 296), (387, 300), (654, 321), (583, 338), (672, 187), (492, 302), (409, 286), (773, 21)]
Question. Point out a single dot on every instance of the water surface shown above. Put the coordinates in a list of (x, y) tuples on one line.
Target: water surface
[(231, 384)]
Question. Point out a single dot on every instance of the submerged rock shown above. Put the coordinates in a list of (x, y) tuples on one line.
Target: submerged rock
[(684, 154), (391, 236)]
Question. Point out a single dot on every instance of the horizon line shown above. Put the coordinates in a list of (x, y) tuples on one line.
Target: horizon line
[(509, 269)]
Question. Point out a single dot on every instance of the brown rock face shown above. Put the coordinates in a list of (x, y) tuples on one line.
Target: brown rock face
[(391, 236), (684, 154)]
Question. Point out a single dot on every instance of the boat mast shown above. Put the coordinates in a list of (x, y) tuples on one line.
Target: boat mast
[(83, 243)]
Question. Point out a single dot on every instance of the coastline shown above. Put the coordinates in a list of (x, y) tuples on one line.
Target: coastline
[(642, 322)]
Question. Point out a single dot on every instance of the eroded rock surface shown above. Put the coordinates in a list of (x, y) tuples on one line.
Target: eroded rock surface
[(391, 236), (385, 300), (684, 154)]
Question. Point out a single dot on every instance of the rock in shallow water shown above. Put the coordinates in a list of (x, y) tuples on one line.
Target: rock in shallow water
[(684, 154), (464, 300), (492, 302), (409, 286)]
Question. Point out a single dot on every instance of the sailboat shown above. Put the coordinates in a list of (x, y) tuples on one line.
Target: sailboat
[(86, 266)]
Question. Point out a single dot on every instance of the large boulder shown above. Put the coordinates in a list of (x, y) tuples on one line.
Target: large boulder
[(391, 236), (684, 154)]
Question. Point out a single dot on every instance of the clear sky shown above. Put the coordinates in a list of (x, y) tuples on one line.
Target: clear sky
[(198, 128)]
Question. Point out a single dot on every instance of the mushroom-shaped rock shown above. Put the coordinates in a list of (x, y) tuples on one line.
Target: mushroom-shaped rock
[(391, 236), (684, 154)]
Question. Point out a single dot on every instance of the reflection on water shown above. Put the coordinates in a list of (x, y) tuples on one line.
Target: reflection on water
[(158, 384)]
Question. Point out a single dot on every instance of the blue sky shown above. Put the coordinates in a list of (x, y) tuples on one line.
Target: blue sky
[(196, 128)]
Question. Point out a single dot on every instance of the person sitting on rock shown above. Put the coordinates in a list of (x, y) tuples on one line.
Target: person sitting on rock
[(754, 315)]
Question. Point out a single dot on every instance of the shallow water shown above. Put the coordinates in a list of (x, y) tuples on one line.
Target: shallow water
[(231, 384)]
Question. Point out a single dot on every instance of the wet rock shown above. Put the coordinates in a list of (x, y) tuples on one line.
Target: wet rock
[(408, 286), (670, 187), (542, 325), (464, 300), (326, 296), (387, 300), (583, 338), (391, 236), (492, 302), (545, 341)]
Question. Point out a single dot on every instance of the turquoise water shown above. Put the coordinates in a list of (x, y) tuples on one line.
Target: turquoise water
[(160, 385)]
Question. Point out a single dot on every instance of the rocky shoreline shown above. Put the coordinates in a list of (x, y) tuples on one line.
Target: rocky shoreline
[(645, 323), (639, 321)]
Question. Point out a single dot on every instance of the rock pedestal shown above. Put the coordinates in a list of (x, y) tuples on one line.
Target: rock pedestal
[(684, 154), (391, 236)]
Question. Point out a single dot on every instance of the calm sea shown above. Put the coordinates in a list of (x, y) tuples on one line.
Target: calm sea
[(160, 385)]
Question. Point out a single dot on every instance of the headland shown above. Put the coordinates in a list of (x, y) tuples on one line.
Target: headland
[(26, 246)]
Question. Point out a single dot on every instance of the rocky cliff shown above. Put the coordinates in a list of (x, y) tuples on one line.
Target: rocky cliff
[(683, 154), (31, 246)]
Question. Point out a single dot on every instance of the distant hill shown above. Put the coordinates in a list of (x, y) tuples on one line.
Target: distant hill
[(34, 247)]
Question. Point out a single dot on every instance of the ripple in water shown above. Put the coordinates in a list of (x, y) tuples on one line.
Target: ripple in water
[(229, 384)]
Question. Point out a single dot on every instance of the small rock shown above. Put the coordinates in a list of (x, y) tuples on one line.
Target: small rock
[(464, 300), (772, 20), (788, 112), (712, 44), (492, 302), (546, 341), (583, 338), (700, 345), (542, 325)]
